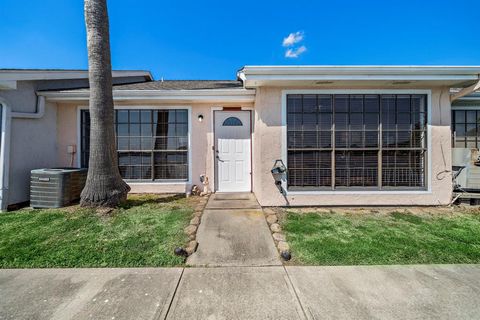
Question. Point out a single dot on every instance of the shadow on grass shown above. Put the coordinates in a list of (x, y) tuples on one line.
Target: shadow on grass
[(140, 200), (407, 217)]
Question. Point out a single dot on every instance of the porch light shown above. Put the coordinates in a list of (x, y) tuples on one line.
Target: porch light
[(200, 117)]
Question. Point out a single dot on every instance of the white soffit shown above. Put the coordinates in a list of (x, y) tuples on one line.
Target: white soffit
[(206, 96), (357, 76)]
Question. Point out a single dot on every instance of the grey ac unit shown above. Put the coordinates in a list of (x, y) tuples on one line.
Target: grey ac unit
[(56, 188)]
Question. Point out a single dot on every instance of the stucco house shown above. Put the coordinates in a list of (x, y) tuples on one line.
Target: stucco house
[(29, 123), (348, 135)]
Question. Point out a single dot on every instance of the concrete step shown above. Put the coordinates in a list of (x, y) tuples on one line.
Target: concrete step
[(225, 201), (234, 196)]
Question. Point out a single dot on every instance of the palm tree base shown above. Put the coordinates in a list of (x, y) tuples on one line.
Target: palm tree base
[(96, 196)]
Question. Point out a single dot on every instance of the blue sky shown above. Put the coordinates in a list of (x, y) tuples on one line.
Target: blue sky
[(212, 39)]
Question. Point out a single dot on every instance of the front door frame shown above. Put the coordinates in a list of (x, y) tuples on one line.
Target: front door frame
[(214, 144)]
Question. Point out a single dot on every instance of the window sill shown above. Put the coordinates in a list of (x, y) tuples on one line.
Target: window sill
[(136, 182), (358, 192)]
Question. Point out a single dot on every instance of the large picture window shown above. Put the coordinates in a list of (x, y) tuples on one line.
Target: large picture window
[(356, 141), (152, 144)]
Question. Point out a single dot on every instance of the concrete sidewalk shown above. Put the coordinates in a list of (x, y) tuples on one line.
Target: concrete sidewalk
[(381, 292)]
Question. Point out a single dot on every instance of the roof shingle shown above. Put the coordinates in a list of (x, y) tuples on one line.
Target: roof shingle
[(182, 85)]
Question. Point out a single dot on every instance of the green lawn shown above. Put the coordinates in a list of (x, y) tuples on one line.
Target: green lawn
[(389, 238), (143, 232)]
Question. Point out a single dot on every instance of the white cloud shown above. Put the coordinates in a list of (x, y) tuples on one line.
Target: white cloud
[(293, 38), (294, 53)]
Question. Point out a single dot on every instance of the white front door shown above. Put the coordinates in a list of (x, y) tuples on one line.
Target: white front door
[(232, 151)]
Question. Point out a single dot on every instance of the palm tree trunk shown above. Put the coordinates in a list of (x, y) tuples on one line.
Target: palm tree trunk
[(104, 187)]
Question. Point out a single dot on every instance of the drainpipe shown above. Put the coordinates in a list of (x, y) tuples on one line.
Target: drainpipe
[(5, 143), (466, 91), (40, 111)]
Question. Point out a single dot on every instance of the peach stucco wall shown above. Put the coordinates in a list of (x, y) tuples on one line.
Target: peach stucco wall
[(267, 144), (201, 144), (267, 147)]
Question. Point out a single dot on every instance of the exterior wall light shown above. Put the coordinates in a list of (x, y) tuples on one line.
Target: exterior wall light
[(200, 117)]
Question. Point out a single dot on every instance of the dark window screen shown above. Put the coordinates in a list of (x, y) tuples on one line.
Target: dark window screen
[(345, 141), (466, 128), (151, 144)]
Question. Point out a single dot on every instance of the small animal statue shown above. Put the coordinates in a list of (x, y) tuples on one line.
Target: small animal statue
[(204, 181), (195, 190)]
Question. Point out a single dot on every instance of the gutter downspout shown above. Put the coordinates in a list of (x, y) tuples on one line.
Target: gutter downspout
[(466, 91), (5, 143), (39, 112)]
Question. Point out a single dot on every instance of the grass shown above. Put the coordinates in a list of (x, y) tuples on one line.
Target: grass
[(143, 232), (391, 238)]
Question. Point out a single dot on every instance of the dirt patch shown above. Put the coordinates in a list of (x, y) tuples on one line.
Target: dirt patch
[(420, 211)]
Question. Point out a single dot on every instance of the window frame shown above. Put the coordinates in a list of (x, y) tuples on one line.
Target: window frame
[(361, 190), (238, 122), (4, 146), (455, 109), (143, 107)]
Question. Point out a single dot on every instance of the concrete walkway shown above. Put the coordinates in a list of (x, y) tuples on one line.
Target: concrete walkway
[(233, 232), (380, 292)]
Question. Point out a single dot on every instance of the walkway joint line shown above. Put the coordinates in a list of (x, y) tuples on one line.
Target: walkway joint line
[(174, 294), (295, 292)]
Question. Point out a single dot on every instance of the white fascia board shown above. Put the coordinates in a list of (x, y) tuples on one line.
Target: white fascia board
[(470, 97), (160, 95), (338, 73), (360, 77), (8, 85), (26, 75), (432, 70)]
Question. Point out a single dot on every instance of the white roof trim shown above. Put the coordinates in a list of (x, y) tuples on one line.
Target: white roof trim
[(386, 70), (25, 75), (216, 95), (473, 96), (359, 73), (8, 85)]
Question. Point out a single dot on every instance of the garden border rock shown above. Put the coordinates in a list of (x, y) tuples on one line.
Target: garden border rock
[(272, 217), (192, 229)]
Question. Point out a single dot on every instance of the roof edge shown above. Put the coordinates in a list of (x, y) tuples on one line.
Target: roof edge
[(47, 74), (374, 69), (202, 95), (254, 76)]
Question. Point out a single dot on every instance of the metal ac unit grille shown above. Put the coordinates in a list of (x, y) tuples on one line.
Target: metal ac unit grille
[(56, 188)]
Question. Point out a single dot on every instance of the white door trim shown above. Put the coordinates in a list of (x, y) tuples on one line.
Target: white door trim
[(249, 172)]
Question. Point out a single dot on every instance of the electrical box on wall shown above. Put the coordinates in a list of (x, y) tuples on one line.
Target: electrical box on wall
[(71, 149)]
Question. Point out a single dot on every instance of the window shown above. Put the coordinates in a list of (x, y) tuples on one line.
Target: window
[(152, 144), (356, 141), (466, 128), (232, 122)]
